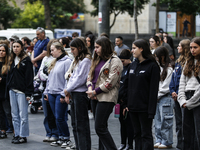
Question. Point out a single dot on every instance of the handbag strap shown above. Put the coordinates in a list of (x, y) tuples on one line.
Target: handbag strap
[(198, 79)]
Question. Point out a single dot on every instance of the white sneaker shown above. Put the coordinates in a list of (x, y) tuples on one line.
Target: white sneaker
[(162, 146), (72, 147), (90, 115), (46, 139), (53, 139), (66, 143), (57, 143), (156, 145)]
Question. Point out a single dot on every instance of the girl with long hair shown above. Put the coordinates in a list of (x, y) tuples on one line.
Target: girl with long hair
[(20, 86), (164, 110), (188, 97), (183, 50), (103, 85), (4, 102), (141, 84), (55, 91), (76, 89), (90, 39), (154, 43)]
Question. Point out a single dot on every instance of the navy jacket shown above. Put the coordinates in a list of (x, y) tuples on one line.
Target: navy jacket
[(174, 84)]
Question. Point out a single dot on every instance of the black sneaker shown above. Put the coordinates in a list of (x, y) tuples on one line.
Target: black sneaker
[(20, 140), (14, 138), (3, 135)]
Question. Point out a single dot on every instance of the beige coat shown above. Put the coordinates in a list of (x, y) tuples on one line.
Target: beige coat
[(110, 83)]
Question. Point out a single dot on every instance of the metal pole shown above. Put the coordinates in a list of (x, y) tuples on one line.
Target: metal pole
[(104, 17), (178, 28)]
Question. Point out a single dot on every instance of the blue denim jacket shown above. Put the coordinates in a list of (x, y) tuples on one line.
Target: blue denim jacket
[(174, 84)]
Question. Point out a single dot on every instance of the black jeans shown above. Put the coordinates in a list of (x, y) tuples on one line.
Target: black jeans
[(142, 126), (102, 111), (178, 118), (5, 111), (126, 129), (80, 120), (191, 127)]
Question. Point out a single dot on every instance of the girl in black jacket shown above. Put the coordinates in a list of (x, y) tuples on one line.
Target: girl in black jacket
[(20, 86), (141, 85), (4, 103)]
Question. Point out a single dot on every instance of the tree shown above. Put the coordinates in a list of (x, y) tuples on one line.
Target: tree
[(120, 7), (7, 13), (60, 11), (135, 19), (31, 17)]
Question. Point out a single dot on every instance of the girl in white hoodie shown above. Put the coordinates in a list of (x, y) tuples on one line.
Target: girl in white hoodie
[(164, 111)]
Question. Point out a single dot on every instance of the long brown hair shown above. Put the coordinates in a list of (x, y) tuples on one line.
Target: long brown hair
[(83, 51), (49, 46), (4, 68), (185, 44), (22, 54), (190, 67), (107, 51)]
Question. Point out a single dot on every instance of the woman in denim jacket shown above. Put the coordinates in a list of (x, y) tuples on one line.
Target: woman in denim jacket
[(183, 50)]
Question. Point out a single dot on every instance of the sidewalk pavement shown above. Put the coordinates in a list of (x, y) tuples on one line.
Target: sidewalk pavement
[(37, 134)]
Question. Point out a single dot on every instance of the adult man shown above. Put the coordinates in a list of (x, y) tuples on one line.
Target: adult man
[(26, 41), (119, 45), (74, 35), (12, 39), (185, 26), (40, 48)]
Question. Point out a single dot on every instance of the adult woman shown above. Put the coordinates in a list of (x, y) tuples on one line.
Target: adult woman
[(55, 91), (20, 85), (76, 89), (164, 110), (4, 103), (103, 85), (90, 39), (141, 84), (126, 129), (154, 43), (51, 131), (169, 40), (183, 50), (190, 103)]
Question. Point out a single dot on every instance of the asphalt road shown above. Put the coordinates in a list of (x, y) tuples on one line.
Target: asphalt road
[(37, 134)]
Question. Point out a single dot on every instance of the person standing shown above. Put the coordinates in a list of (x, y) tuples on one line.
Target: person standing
[(141, 84), (40, 48), (26, 41), (164, 110), (126, 130), (103, 84), (54, 91), (20, 86), (75, 90), (185, 26), (119, 45), (188, 97), (183, 50), (5, 109)]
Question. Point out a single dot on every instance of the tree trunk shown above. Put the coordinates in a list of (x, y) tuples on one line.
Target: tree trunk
[(157, 15), (47, 14), (135, 19)]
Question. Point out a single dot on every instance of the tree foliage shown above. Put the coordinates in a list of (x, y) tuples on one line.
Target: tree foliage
[(120, 7), (187, 7), (7, 13), (31, 17)]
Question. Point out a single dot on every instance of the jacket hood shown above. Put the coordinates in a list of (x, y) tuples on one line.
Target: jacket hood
[(64, 58)]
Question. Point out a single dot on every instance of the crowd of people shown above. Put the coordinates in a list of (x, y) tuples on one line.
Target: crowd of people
[(91, 75)]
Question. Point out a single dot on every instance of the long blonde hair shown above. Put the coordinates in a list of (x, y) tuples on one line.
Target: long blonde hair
[(4, 68)]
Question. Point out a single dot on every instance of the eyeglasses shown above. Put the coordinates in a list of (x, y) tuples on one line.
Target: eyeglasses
[(2, 51)]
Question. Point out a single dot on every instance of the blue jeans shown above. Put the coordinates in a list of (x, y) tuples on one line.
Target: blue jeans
[(102, 111), (59, 110), (19, 110), (49, 132), (80, 120), (164, 120)]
